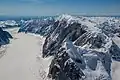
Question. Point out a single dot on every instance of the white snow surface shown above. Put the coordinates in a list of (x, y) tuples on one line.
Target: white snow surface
[(115, 70), (8, 22), (22, 59)]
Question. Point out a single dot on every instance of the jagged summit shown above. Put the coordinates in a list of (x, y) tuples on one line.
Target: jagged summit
[(86, 53), (82, 46)]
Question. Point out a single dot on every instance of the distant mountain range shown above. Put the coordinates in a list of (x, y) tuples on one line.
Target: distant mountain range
[(5, 17), (17, 18)]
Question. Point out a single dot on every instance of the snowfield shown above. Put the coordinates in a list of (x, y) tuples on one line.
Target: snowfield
[(115, 70), (21, 60)]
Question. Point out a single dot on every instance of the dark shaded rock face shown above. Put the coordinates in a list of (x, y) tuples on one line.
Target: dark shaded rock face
[(95, 40), (53, 42), (81, 51), (4, 37), (115, 51), (63, 68), (38, 26)]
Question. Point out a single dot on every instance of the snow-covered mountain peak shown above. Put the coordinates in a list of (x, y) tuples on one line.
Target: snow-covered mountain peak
[(81, 46), (81, 20), (68, 18)]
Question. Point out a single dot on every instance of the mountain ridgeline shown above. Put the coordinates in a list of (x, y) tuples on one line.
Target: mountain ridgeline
[(83, 47)]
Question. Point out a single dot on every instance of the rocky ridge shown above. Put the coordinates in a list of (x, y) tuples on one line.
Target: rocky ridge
[(83, 47)]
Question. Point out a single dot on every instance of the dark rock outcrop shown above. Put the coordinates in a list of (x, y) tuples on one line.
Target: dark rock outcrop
[(115, 50), (81, 51), (4, 37), (54, 41)]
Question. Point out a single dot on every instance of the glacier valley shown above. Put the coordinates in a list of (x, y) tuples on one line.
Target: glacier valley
[(63, 47)]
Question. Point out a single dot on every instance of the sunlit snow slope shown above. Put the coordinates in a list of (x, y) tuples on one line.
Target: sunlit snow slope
[(20, 60)]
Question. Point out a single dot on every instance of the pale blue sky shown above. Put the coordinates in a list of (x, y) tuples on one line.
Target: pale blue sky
[(53, 7)]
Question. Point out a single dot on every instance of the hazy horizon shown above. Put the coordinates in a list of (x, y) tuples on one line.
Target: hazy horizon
[(56, 7)]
